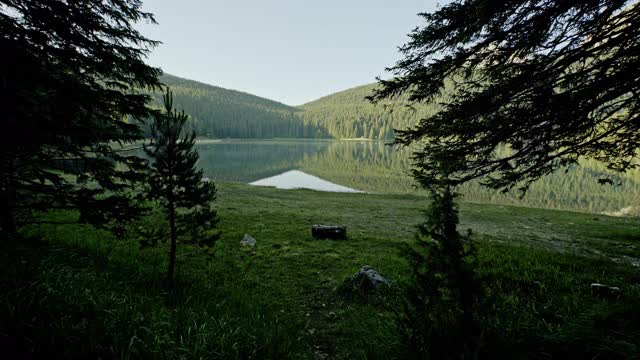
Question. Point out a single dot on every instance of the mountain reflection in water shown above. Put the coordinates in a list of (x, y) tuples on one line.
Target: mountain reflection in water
[(295, 179), (373, 167)]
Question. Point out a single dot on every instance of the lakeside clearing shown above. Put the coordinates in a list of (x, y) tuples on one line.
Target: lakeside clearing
[(79, 293)]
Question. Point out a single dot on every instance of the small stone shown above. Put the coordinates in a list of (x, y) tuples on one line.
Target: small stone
[(247, 240), (366, 279)]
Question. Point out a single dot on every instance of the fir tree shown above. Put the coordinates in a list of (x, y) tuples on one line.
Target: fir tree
[(549, 81), (186, 199), (441, 311), (69, 74)]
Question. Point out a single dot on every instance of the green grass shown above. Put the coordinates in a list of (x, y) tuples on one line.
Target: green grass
[(81, 293)]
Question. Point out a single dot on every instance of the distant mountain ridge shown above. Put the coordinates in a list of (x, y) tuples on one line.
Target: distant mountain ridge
[(217, 112), (348, 114), (222, 113), (236, 96)]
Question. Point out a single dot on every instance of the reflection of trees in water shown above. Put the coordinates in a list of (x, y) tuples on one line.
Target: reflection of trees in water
[(375, 167), (372, 166), (249, 161), (369, 166)]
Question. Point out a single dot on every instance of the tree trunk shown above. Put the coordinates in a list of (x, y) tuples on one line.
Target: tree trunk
[(172, 250)]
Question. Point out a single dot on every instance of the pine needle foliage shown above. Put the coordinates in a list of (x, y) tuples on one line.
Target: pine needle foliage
[(69, 74), (182, 192), (552, 81), (531, 87)]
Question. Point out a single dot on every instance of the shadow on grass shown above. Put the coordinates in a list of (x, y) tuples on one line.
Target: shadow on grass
[(60, 303)]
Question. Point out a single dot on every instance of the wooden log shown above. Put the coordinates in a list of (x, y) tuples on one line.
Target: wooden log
[(605, 291), (329, 232)]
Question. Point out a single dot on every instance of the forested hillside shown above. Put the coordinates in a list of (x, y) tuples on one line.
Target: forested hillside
[(216, 112), (347, 114)]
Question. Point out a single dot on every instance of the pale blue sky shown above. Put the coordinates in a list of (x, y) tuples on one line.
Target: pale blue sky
[(292, 51)]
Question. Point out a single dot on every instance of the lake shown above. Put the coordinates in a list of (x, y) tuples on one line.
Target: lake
[(347, 163), (372, 166)]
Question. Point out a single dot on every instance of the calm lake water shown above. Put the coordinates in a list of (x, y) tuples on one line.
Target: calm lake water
[(321, 165), (372, 166)]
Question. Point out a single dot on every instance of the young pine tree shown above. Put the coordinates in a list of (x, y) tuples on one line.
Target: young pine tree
[(178, 186), (441, 319)]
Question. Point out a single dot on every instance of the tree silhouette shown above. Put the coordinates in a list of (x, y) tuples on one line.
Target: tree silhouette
[(530, 87), (69, 71), (441, 311), (553, 81)]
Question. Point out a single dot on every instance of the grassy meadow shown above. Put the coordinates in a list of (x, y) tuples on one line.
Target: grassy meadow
[(79, 292)]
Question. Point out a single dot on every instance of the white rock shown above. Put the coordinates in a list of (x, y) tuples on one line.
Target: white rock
[(247, 240)]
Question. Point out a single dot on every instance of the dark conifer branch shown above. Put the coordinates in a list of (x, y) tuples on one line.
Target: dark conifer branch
[(70, 73), (551, 81)]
